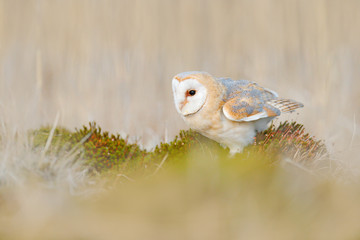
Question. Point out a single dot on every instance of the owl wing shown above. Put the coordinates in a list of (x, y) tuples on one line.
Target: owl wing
[(251, 102), (243, 109)]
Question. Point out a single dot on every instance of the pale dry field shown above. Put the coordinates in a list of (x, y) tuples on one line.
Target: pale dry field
[(112, 62)]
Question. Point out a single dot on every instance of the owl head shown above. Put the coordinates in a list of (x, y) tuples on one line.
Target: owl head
[(191, 90)]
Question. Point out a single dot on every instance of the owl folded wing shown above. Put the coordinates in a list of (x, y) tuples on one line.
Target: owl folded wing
[(246, 109)]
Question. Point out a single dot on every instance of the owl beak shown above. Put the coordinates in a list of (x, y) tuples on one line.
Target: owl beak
[(182, 104)]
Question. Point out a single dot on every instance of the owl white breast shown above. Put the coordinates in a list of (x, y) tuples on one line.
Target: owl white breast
[(225, 110)]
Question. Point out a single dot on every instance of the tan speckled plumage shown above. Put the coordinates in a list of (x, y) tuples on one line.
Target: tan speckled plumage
[(228, 111)]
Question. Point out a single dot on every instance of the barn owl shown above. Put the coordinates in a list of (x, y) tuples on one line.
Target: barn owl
[(225, 110)]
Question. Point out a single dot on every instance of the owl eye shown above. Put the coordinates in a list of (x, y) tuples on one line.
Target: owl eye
[(192, 92)]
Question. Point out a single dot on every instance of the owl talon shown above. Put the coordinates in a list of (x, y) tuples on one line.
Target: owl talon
[(234, 151)]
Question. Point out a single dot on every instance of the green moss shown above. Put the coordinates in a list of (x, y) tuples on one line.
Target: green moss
[(60, 141), (104, 151), (291, 140)]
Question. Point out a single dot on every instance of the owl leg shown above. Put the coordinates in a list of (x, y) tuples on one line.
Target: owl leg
[(223, 145)]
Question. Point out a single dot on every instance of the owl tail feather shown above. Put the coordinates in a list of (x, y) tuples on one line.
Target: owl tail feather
[(285, 105)]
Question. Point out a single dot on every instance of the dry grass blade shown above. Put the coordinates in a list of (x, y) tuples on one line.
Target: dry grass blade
[(160, 165), (50, 137)]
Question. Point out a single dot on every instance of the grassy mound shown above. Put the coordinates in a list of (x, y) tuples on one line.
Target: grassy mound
[(104, 151)]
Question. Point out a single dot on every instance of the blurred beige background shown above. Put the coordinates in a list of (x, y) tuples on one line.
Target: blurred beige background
[(112, 60)]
